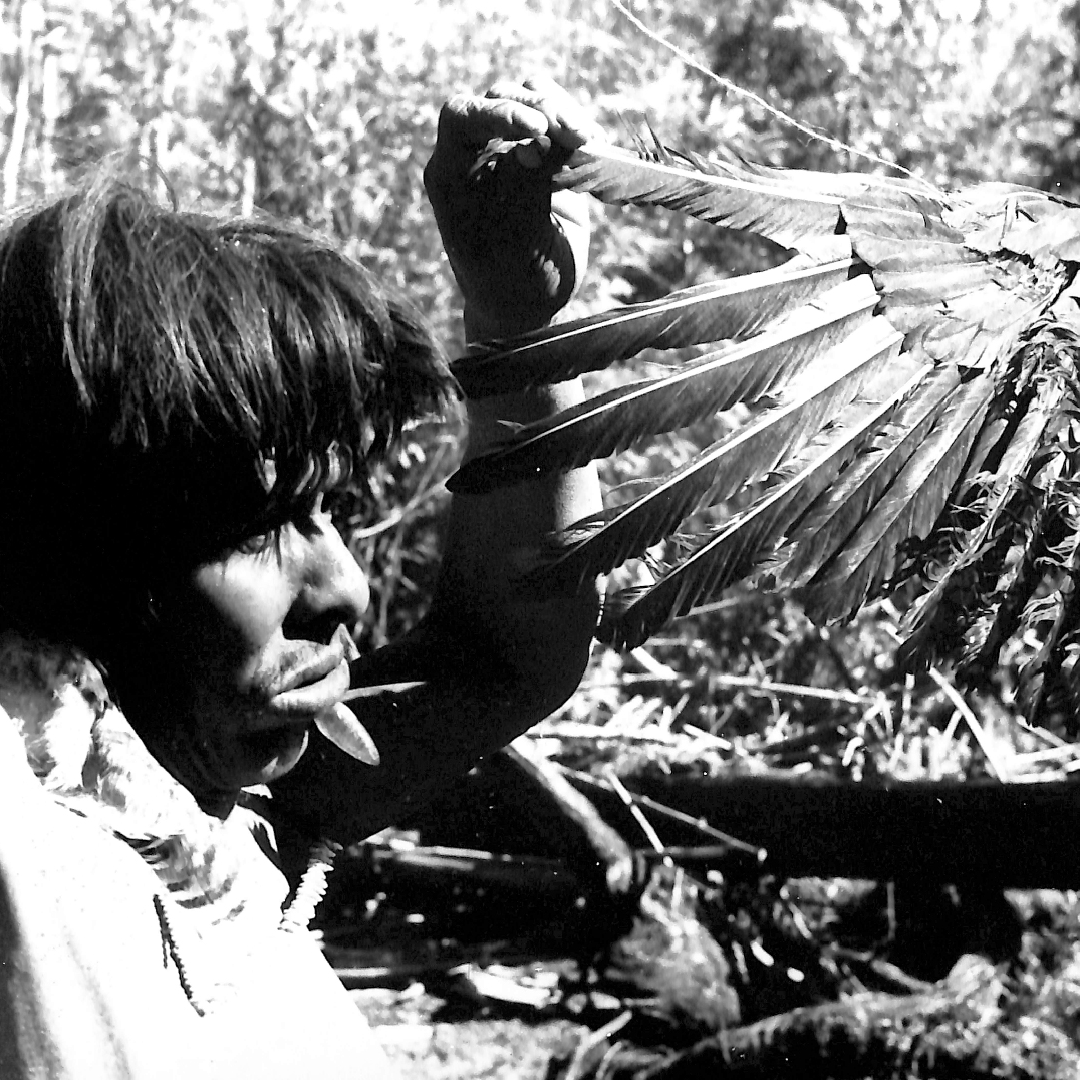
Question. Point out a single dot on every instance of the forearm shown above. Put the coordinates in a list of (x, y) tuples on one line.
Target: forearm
[(494, 656), (497, 652), (494, 539)]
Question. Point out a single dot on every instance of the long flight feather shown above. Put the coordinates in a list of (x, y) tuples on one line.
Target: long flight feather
[(1022, 572), (620, 176), (907, 508), (733, 308), (751, 452), (885, 191), (783, 211), (741, 543), (1053, 615), (614, 420), (974, 546), (831, 521)]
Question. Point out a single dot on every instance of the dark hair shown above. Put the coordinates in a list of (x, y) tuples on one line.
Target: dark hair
[(151, 362)]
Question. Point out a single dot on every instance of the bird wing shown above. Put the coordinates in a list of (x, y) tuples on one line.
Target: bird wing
[(908, 393)]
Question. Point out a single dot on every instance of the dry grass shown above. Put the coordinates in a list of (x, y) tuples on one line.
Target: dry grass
[(421, 1046)]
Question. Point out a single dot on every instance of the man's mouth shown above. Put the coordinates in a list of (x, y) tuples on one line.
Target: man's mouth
[(313, 692), (320, 687)]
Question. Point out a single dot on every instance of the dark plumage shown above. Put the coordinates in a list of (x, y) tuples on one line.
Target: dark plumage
[(908, 381)]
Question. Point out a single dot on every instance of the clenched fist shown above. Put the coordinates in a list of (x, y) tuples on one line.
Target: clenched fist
[(517, 251)]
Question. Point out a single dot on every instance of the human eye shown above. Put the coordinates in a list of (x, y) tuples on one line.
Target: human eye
[(258, 543)]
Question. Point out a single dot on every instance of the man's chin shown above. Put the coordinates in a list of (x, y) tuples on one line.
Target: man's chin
[(273, 754)]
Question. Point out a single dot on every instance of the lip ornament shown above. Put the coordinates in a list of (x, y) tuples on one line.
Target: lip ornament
[(340, 726)]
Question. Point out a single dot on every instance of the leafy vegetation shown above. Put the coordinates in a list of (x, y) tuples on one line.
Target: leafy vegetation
[(311, 111)]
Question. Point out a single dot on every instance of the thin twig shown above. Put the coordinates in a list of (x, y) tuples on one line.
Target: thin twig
[(993, 762), (635, 812), (954, 722), (761, 686), (391, 521), (1052, 753), (589, 1043), (742, 682), (652, 665), (1041, 733), (571, 729), (676, 815), (701, 735), (749, 95), (906, 700)]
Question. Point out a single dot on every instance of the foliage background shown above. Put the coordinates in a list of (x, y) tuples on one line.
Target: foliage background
[(325, 111)]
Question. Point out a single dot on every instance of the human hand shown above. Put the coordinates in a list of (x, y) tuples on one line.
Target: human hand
[(518, 252)]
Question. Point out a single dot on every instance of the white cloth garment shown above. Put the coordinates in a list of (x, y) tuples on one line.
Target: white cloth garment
[(139, 937)]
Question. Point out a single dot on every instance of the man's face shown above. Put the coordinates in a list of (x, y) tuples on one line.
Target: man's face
[(257, 645)]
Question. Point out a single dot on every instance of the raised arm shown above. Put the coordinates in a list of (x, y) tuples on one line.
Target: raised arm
[(494, 656)]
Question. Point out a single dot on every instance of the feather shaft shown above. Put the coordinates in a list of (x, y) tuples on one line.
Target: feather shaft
[(743, 542), (908, 507), (731, 308), (617, 419), (749, 453)]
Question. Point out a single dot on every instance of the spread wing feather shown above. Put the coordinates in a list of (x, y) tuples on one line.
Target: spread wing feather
[(741, 545), (772, 204), (835, 515), (974, 556), (783, 214), (733, 308), (772, 433), (909, 401), (908, 507), (617, 419), (868, 188)]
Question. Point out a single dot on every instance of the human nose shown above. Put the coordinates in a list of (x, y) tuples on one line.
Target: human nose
[(335, 588)]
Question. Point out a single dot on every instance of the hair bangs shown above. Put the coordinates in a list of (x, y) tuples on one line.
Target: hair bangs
[(153, 361), (236, 330)]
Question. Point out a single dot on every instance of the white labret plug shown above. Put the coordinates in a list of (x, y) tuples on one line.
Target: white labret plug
[(341, 727), (339, 723)]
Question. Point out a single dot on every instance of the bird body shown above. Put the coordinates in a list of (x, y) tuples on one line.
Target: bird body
[(909, 395)]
